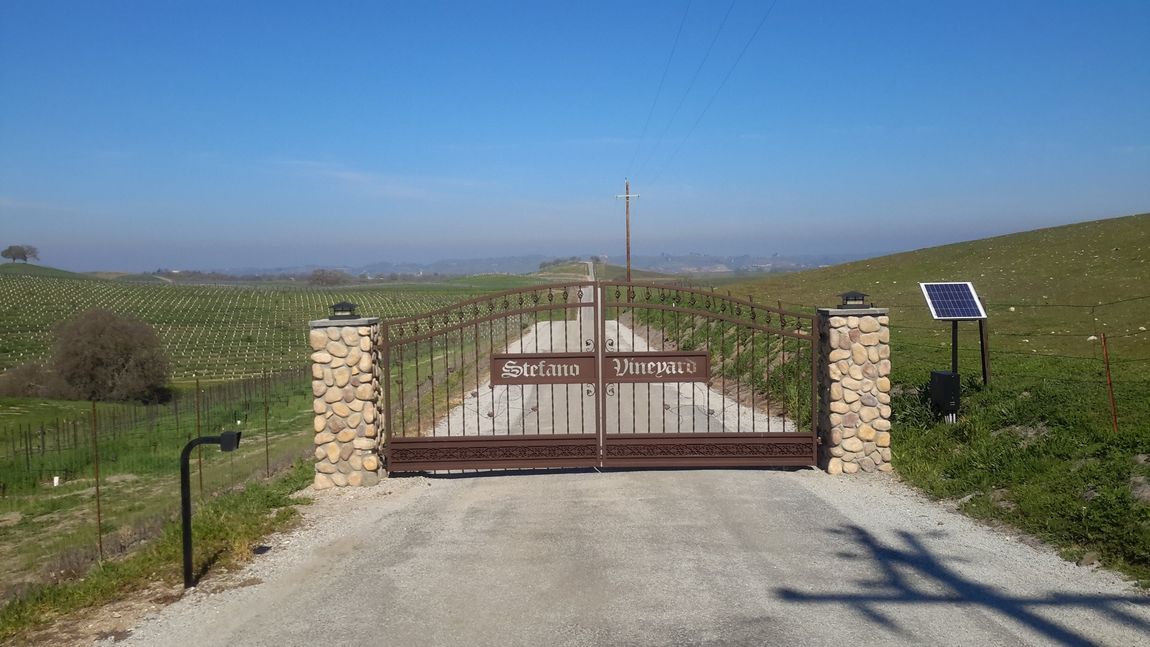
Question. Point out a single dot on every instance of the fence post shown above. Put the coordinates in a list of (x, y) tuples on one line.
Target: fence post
[(96, 470), (267, 443), (200, 456), (854, 366), (1109, 383), (345, 384)]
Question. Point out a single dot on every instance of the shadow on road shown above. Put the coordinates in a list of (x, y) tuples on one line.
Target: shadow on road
[(908, 571)]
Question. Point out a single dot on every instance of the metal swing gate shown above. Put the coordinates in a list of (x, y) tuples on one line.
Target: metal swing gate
[(599, 374)]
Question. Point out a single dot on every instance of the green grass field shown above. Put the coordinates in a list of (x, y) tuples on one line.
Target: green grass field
[(225, 530)]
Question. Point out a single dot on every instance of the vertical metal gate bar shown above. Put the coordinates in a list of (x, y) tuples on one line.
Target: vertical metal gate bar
[(647, 316), (634, 324), (538, 390), (507, 389), (506, 346), (462, 381), (767, 371), (783, 356), (551, 348), (551, 344), (751, 377), (723, 374), (579, 319), (740, 367), (707, 385), (478, 422), (599, 299), (679, 387), (618, 348), (566, 349), (814, 345), (431, 376), (522, 387), (447, 379), (491, 387), (663, 347), (418, 400), (385, 335), (795, 364), (402, 394)]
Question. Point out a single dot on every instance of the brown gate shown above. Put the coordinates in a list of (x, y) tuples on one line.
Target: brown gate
[(599, 374)]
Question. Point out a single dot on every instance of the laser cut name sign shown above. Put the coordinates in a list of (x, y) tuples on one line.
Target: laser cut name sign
[(580, 368)]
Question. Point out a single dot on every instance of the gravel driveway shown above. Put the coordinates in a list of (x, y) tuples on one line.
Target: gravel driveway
[(692, 557)]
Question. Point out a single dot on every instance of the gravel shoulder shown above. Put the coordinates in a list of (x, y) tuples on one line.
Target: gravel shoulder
[(648, 558)]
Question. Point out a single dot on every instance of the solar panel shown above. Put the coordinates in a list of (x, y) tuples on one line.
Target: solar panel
[(950, 301)]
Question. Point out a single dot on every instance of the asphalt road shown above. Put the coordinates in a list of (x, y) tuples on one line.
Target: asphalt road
[(702, 557)]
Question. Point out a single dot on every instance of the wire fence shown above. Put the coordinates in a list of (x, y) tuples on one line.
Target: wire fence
[(73, 491), (1100, 351), (143, 439)]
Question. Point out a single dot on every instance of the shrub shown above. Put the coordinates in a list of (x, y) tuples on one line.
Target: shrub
[(33, 381), (104, 356)]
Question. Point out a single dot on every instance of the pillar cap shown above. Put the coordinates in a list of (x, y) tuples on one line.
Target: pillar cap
[(854, 312), (343, 323)]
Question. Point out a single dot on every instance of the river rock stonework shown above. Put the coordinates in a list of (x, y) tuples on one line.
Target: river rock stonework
[(348, 418), (854, 424)]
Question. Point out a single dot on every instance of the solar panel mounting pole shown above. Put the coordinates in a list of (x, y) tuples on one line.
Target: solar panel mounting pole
[(954, 345), (627, 195), (985, 347)]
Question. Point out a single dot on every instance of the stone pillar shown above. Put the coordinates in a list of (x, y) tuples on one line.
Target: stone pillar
[(854, 423), (345, 383)]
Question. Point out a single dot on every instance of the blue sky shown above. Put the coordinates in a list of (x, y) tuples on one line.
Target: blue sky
[(135, 135)]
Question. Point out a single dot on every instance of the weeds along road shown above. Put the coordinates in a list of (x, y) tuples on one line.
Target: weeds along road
[(676, 557)]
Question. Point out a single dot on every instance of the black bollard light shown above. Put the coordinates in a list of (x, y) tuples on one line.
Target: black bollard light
[(227, 441)]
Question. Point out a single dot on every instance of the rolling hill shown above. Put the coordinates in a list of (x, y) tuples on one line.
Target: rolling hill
[(1046, 291)]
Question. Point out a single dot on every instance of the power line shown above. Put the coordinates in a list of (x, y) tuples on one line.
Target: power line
[(707, 107), (690, 85), (659, 91)]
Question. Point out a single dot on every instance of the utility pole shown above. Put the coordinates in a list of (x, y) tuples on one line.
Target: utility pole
[(627, 195)]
